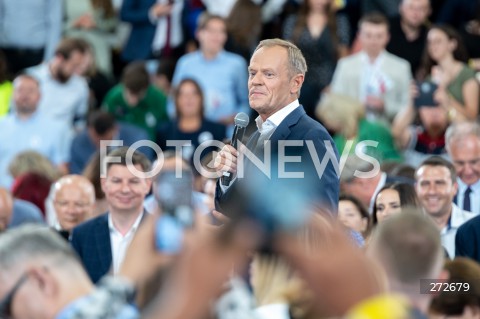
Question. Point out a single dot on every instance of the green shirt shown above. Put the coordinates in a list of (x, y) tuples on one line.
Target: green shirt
[(371, 131), (455, 87), (149, 112)]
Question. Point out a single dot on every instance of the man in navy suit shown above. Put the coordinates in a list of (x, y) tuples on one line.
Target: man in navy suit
[(276, 74), (101, 242), (102, 126)]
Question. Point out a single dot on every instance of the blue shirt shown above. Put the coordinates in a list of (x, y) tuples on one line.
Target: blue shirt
[(223, 81), (31, 24), (67, 101), (38, 133), (25, 212)]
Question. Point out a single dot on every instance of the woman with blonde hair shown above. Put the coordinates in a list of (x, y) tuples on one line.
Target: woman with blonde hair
[(345, 118)]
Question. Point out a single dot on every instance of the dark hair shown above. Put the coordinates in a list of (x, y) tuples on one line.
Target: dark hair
[(33, 188), (105, 6), (101, 121), (138, 158), (361, 208), (374, 18), (135, 77), (439, 161), (406, 193), (166, 67), (301, 23), (68, 46), (3, 68), (460, 53), (177, 94), (461, 270)]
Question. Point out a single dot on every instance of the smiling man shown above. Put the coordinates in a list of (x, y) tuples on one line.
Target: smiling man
[(102, 242), (436, 187), (276, 74)]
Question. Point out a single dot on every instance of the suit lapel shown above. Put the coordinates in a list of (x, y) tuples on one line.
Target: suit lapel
[(283, 130), (103, 245)]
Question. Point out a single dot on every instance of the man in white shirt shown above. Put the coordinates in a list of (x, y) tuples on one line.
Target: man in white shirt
[(102, 242), (463, 146), (436, 187)]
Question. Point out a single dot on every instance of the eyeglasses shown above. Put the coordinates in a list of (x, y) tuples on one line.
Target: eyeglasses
[(6, 302)]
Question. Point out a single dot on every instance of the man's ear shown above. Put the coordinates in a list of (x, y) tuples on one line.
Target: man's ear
[(296, 83), (45, 281)]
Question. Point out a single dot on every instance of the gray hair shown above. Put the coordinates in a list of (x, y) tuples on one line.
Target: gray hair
[(34, 242), (459, 131), (296, 60)]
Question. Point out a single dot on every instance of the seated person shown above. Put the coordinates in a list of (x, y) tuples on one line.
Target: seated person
[(345, 117), (103, 126), (190, 123), (425, 139)]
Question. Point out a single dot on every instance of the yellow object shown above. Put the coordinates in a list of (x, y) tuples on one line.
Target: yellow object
[(6, 89), (381, 307)]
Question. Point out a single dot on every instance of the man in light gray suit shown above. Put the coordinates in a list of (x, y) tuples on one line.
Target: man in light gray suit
[(375, 77)]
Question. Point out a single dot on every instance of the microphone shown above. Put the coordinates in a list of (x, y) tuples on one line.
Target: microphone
[(241, 122)]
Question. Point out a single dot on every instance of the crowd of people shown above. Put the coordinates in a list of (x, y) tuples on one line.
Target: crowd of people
[(355, 191)]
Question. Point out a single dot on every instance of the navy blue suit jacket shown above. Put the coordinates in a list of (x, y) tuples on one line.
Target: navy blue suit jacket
[(467, 240), (83, 148), (91, 241), (324, 188), (139, 43)]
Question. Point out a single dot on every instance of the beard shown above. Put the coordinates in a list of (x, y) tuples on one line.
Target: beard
[(62, 77)]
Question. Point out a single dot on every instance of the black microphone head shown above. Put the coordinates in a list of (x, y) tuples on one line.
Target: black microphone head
[(241, 119)]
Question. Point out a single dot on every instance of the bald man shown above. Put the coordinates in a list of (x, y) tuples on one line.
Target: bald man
[(14, 212), (73, 198)]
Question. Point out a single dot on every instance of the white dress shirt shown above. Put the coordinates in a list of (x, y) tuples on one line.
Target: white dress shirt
[(458, 217), (119, 242)]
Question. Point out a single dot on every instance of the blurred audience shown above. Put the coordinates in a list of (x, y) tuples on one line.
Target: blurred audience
[(34, 188), (392, 199), (380, 80), (102, 126), (323, 35), (344, 117), (156, 29), (408, 31), (462, 303), (27, 128), (190, 124), (6, 87), (463, 146), (419, 130), (64, 93), (92, 173), (73, 199), (136, 101), (444, 63), (32, 162), (354, 215), (16, 212), (222, 75), (408, 249), (94, 21), (436, 186), (30, 30)]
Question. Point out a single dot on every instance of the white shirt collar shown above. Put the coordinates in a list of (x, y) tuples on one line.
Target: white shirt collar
[(134, 227), (378, 61), (276, 118)]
